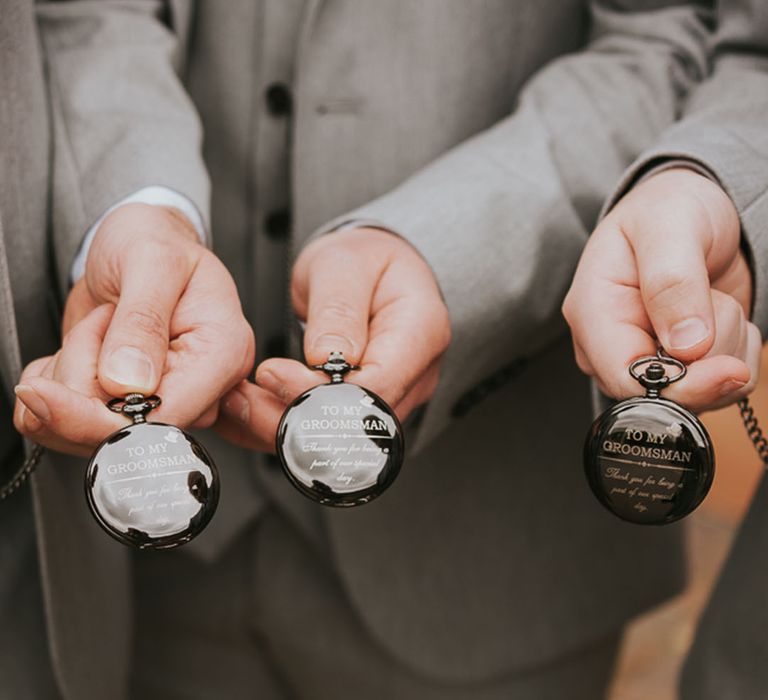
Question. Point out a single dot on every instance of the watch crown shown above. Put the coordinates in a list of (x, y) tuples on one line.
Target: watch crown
[(336, 367)]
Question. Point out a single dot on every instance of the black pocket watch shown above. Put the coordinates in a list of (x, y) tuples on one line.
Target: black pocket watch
[(151, 485), (340, 444), (647, 459)]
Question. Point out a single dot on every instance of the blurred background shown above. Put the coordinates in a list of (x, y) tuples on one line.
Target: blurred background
[(656, 643)]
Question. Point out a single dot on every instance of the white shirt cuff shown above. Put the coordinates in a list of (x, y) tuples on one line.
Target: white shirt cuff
[(156, 195)]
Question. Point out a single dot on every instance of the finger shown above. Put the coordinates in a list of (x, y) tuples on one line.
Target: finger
[(610, 331), (710, 383), (401, 351), (54, 442), (736, 281), (249, 417), (730, 326), (74, 365), (420, 394), (208, 418), (409, 330), (287, 379), (79, 304), (25, 421), (132, 358), (674, 283), (77, 362), (752, 357), (212, 348), (582, 361), (68, 417), (605, 312), (338, 306)]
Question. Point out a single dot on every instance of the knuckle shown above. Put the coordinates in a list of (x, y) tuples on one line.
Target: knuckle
[(439, 323), (146, 321), (426, 387), (246, 342), (583, 366), (35, 368), (582, 362), (570, 308), (207, 419), (728, 310), (338, 311), (444, 340), (668, 287), (566, 309), (170, 254), (613, 387), (18, 423), (231, 344)]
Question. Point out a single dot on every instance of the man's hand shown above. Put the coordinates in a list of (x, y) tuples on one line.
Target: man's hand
[(665, 267), (370, 295), (155, 313)]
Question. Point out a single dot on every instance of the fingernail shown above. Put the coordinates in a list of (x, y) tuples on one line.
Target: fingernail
[(730, 386), (268, 381), (236, 406), (688, 333), (130, 367), (33, 402), (330, 342)]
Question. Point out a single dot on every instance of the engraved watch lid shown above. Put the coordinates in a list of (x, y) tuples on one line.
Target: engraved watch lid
[(340, 444), (151, 485), (649, 460)]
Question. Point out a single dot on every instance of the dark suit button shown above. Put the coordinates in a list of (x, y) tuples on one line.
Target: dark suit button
[(279, 100), (278, 224)]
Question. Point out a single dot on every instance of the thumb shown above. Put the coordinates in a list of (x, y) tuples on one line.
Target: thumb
[(338, 306), (675, 287), (133, 355)]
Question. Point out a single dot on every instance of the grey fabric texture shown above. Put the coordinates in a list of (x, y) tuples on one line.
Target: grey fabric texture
[(52, 171), (435, 119), (249, 635), (488, 557), (26, 672), (115, 98), (530, 188), (63, 547), (727, 660), (723, 128)]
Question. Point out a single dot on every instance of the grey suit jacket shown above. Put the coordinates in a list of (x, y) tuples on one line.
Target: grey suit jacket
[(488, 555), (437, 119), (57, 175)]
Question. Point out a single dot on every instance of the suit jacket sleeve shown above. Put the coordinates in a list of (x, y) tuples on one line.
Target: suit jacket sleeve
[(121, 118), (503, 217), (725, 129)]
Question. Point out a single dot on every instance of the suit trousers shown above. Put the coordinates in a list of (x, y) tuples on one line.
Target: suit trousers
[(25, 666), (271, 620), (728, 657)]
